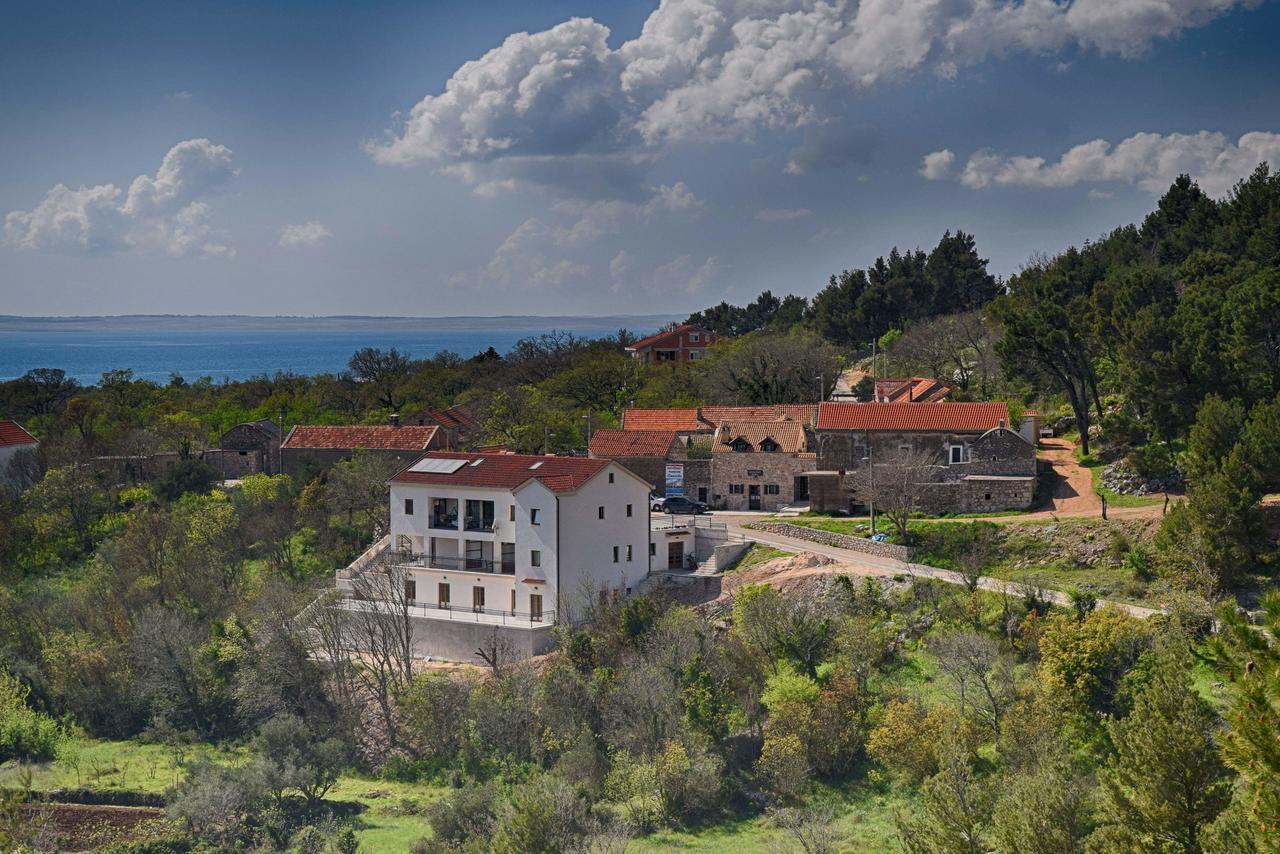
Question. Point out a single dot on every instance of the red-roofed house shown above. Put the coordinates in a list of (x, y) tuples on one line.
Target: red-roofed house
[(14, 440), (982, 462), (509, 544), (676, 346), (458, 422), (311, 447)]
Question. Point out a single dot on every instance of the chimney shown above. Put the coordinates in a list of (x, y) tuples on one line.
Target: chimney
[(394, 419), (1003, 426)]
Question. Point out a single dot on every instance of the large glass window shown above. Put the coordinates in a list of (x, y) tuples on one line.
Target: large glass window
[(479, 516), (444, 513), (508, 558)]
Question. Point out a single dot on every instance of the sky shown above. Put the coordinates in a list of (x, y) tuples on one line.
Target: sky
[(492, 158)]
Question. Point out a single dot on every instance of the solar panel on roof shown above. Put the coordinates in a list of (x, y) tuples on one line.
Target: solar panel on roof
[(435, 466)]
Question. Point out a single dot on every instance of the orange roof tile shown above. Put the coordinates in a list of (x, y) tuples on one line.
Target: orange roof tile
[(691, 420), (631, 443), (787, 435), (380, 438), (910, 417)]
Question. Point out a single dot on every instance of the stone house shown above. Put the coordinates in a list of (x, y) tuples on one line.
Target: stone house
[(309, 448), (249, 448), (460, 426), (672, 463), (760, 465), (981, 463)]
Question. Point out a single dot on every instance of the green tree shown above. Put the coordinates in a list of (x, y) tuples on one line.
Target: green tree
[(289, 757), (1165, 782), (383, 370), (958, 277)]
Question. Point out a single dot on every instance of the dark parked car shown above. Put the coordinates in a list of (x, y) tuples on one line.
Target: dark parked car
[(680, 504)]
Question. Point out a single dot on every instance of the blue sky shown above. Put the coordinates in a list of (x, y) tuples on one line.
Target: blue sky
[(325, 158)]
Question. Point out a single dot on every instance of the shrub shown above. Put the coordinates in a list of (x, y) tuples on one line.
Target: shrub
[(907, 738), (24, 733), (783, 767)]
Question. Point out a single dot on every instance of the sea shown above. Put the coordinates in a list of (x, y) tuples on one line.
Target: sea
[(231, 348)]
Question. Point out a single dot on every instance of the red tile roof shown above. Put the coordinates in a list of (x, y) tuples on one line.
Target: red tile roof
[(453, 418), (11, 433), (690, 420), (787, 435), (911, 390), (959, 417), (631, 443), (506, 471), (660, 336), (380, 438)]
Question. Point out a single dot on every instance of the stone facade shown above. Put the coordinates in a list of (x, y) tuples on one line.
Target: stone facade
[(975, 472), (247, 449), (757, 480)]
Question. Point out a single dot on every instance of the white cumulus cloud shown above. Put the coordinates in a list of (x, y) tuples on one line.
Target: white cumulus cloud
[(1150, 160), (937, 165), (562, 108), (162, 213), (307, 234)]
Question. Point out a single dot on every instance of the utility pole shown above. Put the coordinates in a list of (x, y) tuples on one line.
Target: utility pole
[(822, 386), (588, 417), (546, 439)]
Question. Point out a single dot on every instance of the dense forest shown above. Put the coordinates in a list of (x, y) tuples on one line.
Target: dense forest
[(165, 617)]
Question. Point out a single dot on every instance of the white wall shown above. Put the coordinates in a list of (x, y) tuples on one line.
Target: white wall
[(586, 548)]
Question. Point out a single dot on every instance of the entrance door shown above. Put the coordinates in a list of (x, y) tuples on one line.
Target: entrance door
[(753, 497), (535, 607), (702, 494), (802, 488), (675, 554)]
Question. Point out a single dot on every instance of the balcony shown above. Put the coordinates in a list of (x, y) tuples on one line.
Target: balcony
[(479, 516), (460, 614), (444, 514), (464, 564)]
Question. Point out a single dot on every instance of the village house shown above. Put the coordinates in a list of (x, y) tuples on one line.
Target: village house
[(678, 345), (981, 463), (249, 448), (509, 544), (461, 427), (760, 465), (310, 448), (15, 443)]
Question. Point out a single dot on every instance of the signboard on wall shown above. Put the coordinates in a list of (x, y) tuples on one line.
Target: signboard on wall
[(675, 479)]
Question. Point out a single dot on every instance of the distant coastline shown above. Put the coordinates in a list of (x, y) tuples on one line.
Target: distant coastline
[(139, 322), (236, 347)]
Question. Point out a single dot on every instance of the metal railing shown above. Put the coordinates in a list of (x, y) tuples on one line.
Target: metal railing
[(465, 564), (443, 523), (487, 526), (464, 613)]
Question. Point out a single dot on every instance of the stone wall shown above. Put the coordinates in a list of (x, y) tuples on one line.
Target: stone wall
[(1001, 452), (840, 541), (756, 469), (458, 640), (233, 464)]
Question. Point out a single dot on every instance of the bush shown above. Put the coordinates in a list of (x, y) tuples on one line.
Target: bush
[(24, 733), (188, 475)]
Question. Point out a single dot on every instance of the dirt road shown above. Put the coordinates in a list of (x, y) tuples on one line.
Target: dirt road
[(856, 563)]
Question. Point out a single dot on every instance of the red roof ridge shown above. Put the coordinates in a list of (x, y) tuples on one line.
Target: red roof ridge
[(12, 433), (368, 436)]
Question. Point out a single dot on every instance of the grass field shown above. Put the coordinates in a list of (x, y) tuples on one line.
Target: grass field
[(390, 822), (1114, 499)]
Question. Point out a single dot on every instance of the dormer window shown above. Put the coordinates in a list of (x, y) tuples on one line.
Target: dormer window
[(769, 446), (693, 337), (742, 446)]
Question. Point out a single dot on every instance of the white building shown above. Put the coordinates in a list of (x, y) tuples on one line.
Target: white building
[(511, 543)]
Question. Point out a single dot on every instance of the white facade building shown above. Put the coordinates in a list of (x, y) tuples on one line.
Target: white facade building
[(13, 440), (494, 541)]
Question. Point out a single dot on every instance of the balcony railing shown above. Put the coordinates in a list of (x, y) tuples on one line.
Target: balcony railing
[(462, 614), (466, 564), (479, 524), (445, 523)]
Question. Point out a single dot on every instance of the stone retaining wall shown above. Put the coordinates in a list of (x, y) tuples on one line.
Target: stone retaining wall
[(840, 541)]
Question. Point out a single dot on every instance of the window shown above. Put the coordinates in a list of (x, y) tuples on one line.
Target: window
[(442, 597), (695, 354), (904, 448), (410, 590), (771, 489), (535, 558), (653, 549), (615, 554), (477, 599), (693, 336), (628, 511), (533, 516), (735, 489), (957, 454), (742, 446), (769, 446), (611, 477), (628, 554), (600, 512), (408, 507), (513, 512), (479, 515), (535, 606), (508, 564)]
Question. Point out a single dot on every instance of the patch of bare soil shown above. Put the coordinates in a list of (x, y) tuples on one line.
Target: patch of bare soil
[(85, 827)]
